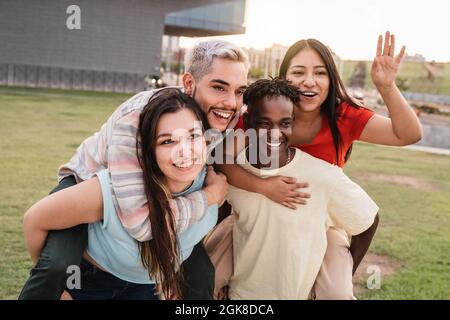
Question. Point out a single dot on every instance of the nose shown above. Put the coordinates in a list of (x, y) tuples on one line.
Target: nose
[(275, 134), (309, 80), (184, 148), (230, 101)]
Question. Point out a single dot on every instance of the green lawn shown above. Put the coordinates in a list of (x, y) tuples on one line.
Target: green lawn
[(40, 129)]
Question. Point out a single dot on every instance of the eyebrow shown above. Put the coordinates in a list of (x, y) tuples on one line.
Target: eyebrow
[(267, 118), (300, 66), (220, 81), (226, 83), (169, 134)]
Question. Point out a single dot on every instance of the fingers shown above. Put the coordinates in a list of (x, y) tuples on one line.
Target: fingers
[(300, 185), (379, 45), (296, 194), (210, 172), (243, 110), (392, 47), (399, 57), (289, 180), (296, 201), (389, 47), (386, 43), (292, 203), (297, 185), (289, 205), (222, 176)]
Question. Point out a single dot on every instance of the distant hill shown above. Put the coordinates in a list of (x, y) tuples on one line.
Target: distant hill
[(415, 76)]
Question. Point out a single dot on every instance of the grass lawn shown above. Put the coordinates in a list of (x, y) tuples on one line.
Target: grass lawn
[(40, 129)]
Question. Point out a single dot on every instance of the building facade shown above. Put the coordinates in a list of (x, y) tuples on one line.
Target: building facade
[(102, 45)]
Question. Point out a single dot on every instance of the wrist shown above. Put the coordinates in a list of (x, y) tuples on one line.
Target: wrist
[(210, 195), (386, 90), (261, 186)]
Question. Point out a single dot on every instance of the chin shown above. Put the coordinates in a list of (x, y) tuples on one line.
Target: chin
[(220, 125), (309, 108)]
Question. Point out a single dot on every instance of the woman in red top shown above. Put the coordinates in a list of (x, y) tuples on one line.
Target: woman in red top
[(327, 122)]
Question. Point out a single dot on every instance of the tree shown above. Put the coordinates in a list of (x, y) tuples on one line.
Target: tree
[(358, 78), (256, 73)]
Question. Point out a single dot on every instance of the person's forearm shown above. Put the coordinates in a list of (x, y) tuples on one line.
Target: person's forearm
[(241, 178), (34, 237), (405, 124), (361, 243), (81, 203)]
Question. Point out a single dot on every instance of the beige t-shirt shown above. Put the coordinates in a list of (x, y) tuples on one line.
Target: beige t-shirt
[(278, 251)]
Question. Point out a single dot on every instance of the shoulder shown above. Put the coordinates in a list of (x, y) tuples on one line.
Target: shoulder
[(314, 170), (352, 121), (138, 101), (317, 165), (347, 111)]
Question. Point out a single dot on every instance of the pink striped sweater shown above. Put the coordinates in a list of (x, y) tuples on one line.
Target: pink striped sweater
[(113, 147)]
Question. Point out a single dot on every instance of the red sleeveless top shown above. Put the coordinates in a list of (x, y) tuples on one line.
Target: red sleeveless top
[(351, 123)]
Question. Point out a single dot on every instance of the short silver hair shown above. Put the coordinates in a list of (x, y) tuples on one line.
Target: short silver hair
[(198, 60)]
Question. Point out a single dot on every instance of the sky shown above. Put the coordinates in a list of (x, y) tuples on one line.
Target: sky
[(349, 27)]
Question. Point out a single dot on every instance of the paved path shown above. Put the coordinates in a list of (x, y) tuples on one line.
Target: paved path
[(429, 149)]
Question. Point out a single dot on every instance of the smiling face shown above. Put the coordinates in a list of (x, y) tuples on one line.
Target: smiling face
[(180, 148), (219, 92), (307, 71), (273, 119)]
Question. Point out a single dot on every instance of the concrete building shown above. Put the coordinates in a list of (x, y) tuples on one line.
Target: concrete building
[(104, 45)]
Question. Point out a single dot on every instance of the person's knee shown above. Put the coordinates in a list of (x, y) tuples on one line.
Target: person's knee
[(57, 266), (198, 274), (63, 249), (205, 266)]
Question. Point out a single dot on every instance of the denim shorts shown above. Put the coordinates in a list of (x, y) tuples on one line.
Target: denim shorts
[(96, 284)]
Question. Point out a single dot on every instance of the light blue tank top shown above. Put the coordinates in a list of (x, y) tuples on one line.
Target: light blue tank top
[(110, 245)]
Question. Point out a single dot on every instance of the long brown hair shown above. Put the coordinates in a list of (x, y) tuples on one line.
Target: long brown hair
[(336, 94), (160, 255)]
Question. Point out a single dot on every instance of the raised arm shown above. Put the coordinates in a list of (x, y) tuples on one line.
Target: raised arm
[(82, 203), (403, 127)]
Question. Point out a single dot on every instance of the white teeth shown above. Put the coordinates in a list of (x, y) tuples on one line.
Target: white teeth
[(184, 164), (274, 145), (222, 114), (309, 94)]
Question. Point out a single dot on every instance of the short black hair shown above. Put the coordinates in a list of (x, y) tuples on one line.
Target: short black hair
[(268, 88)]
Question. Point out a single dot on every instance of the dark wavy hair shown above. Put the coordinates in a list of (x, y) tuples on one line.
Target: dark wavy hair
[(161, 255), (336, 94)]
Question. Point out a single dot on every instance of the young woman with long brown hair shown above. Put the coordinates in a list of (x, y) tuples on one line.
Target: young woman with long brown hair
[(172, 152)]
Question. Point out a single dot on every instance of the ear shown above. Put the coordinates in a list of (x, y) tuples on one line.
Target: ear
[(188, 83)]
